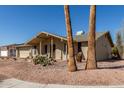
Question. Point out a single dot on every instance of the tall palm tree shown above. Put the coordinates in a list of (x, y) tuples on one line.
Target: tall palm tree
[(71, 58), (91, 55)]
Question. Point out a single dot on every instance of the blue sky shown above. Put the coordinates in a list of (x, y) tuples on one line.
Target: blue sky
[(20, 23)]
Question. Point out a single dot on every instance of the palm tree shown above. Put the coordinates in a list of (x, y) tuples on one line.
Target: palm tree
[(71, 58), (91, 54)]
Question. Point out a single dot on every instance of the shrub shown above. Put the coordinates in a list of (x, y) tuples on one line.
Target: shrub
[(79, 57), (115, 53), (114, 50), (43, 60)]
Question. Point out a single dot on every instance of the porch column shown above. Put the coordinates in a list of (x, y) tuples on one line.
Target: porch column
[(31, 52), (51, 55), (66, 51), (40, 47)]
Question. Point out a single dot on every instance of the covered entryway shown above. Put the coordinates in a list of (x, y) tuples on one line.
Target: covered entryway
[(50, 45)]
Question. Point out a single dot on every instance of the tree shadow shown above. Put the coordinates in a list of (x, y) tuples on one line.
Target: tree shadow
[(114, 67), (80, 69), (121, 66), (112, 60)]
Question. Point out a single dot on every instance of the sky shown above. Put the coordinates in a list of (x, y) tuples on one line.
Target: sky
[(19, 24)]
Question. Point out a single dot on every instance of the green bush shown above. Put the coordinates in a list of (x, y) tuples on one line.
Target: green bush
[(115, 53), (114, 50), (79, 57), (43, 60)]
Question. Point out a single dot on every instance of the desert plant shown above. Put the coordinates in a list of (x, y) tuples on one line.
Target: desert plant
[(79, 56), (119, 43), (43, 60), (115, 53), (114, 50)]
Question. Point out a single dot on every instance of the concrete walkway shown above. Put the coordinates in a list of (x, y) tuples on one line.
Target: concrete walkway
[(15, 83)]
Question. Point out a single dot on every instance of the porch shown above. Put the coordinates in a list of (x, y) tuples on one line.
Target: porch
[(49, 45)]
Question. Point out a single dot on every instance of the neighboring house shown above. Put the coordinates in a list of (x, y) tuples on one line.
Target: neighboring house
[(55, 46), (44, 44), (8, 50), (104, 45)]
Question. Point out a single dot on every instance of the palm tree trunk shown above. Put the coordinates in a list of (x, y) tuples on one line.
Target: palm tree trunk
[(91, 55), (71, 59)]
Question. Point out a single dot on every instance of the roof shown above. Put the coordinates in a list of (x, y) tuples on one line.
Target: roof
[(84, 38), (23, 45), (11, 45), (77, 38), (46, 34)]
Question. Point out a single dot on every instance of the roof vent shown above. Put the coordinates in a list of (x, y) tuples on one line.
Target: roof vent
[(80, 32)]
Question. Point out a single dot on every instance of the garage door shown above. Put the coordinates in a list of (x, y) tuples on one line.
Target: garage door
[(24, 53), (4, 53)]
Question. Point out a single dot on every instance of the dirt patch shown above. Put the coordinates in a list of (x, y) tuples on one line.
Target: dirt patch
[(109, 73), (2, 77)]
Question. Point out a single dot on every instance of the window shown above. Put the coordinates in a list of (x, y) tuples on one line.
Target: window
[(35, 50), (79, 46), (10, 52), (54, 47), (64, 48), (14, 53), (45, 49)]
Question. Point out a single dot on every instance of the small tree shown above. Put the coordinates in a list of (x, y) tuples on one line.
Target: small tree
[(119, 43), (115, 53)]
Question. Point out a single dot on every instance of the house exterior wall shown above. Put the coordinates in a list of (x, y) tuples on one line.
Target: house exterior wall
[(59, 51), (3, 51), (24, 52), (8, 51), (12, 51), (121, 50), (103, 48), (84, 48)]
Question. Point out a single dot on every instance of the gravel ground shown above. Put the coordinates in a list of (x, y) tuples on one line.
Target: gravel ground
[(108, 73)]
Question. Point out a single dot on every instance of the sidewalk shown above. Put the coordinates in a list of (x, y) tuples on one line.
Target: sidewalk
[(15, 83)]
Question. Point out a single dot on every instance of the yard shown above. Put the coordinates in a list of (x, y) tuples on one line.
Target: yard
[(109, 73)]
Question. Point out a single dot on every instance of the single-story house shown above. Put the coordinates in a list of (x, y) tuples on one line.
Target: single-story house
[(8, 50), (55, 46)]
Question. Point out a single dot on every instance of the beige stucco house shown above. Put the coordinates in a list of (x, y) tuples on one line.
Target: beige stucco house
[(55, 46), (8, 50)]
